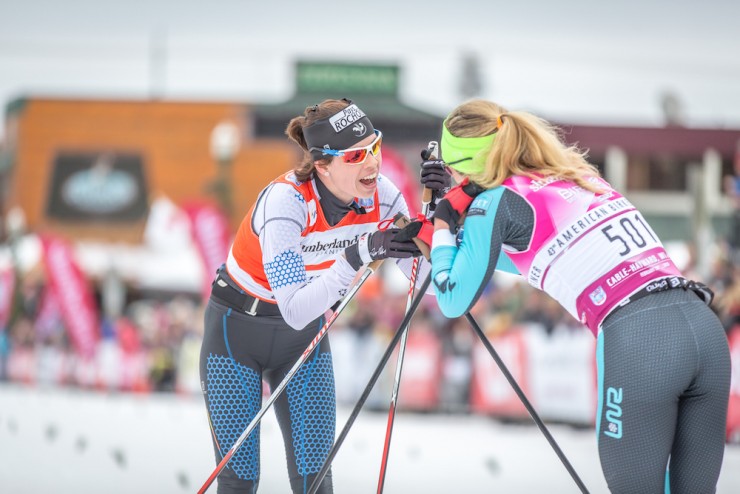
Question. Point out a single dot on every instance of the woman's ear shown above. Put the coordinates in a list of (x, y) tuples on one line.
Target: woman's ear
[(321, 167)]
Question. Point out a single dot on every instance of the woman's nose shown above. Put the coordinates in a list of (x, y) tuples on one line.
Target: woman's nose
[(376, 158)]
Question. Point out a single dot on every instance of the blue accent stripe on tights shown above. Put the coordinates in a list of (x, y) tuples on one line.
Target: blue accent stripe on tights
[(599, 381), (226, 336), (238, 369), (667, 482)]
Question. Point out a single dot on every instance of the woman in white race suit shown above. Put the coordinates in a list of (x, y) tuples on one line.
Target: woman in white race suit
[(294, 257)]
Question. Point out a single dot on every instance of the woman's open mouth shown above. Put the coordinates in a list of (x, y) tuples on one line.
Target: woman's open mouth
[(370, 180)]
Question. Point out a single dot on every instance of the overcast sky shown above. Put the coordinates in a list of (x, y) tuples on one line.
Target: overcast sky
[(582, 61)]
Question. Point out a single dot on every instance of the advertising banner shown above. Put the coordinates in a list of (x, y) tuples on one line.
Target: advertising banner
[(7, 289), (490, 392), (74, 296), (209, 228), (399, 173), (97, 186)]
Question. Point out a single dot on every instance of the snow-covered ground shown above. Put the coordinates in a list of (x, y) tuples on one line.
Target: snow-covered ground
[(71, 441)]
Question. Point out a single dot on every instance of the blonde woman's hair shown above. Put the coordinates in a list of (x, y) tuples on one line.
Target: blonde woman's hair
[(524, 145), (305, 169)]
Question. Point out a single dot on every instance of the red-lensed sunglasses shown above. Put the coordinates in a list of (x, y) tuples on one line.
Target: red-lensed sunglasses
[(355, 156)]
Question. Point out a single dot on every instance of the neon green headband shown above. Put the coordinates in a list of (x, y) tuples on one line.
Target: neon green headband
[(465, 154)]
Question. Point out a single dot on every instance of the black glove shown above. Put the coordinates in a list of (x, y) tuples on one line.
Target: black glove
[(380, 244), (456, 202), (434, 176)]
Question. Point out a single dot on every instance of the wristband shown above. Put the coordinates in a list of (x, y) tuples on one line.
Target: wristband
[(363, 248), (353, 257)]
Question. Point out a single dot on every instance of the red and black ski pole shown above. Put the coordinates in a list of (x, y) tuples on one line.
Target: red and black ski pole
[(366, 393), (432, 152)]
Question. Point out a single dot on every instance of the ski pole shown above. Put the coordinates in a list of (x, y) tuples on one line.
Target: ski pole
[(370, 269), (525, 402), (373, 379), (432, 152)]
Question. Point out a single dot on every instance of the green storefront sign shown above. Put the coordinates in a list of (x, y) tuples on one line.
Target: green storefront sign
[(348, 78)]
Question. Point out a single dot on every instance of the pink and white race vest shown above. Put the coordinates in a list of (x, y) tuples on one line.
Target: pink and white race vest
[(588, 251)]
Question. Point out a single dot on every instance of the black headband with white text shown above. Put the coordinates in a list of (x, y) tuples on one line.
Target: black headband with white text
[(342, 130)]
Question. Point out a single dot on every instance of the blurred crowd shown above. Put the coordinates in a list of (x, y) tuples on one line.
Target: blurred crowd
[(154, 344)]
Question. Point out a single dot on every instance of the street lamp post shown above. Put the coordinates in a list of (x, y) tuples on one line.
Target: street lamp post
[(15, 224), (225, 143)]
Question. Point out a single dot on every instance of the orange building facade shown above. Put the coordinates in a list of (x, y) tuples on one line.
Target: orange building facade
[(90, 169)]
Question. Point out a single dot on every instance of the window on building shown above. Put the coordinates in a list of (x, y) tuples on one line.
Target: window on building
[(660, 172)]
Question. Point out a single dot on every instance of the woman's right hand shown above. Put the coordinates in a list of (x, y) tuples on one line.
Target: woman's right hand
[(380, 244)]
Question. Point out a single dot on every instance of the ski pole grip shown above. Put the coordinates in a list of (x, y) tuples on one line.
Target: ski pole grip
[(426, 196), (432, 154), (373, 266), (401, 221)]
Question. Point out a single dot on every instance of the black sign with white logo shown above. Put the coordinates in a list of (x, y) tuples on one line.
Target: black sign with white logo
[(105, 186)]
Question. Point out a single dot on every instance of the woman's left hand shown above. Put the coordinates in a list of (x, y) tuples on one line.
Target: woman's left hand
[(455, 203), (420, 228)]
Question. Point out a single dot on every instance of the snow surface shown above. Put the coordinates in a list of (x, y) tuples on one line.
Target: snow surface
[(73, 441)]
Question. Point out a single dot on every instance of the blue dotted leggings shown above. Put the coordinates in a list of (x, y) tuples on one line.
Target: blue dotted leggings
[(238, 352)]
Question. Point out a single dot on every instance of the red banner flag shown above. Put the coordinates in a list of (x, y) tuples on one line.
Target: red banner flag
[(75, 298), (399, 173), (7, 289), (209, 228)]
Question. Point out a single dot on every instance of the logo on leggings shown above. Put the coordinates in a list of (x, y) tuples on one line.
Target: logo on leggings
[(614, 413)]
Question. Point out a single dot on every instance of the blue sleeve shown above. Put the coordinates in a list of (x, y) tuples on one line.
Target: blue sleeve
[(460, 273)]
